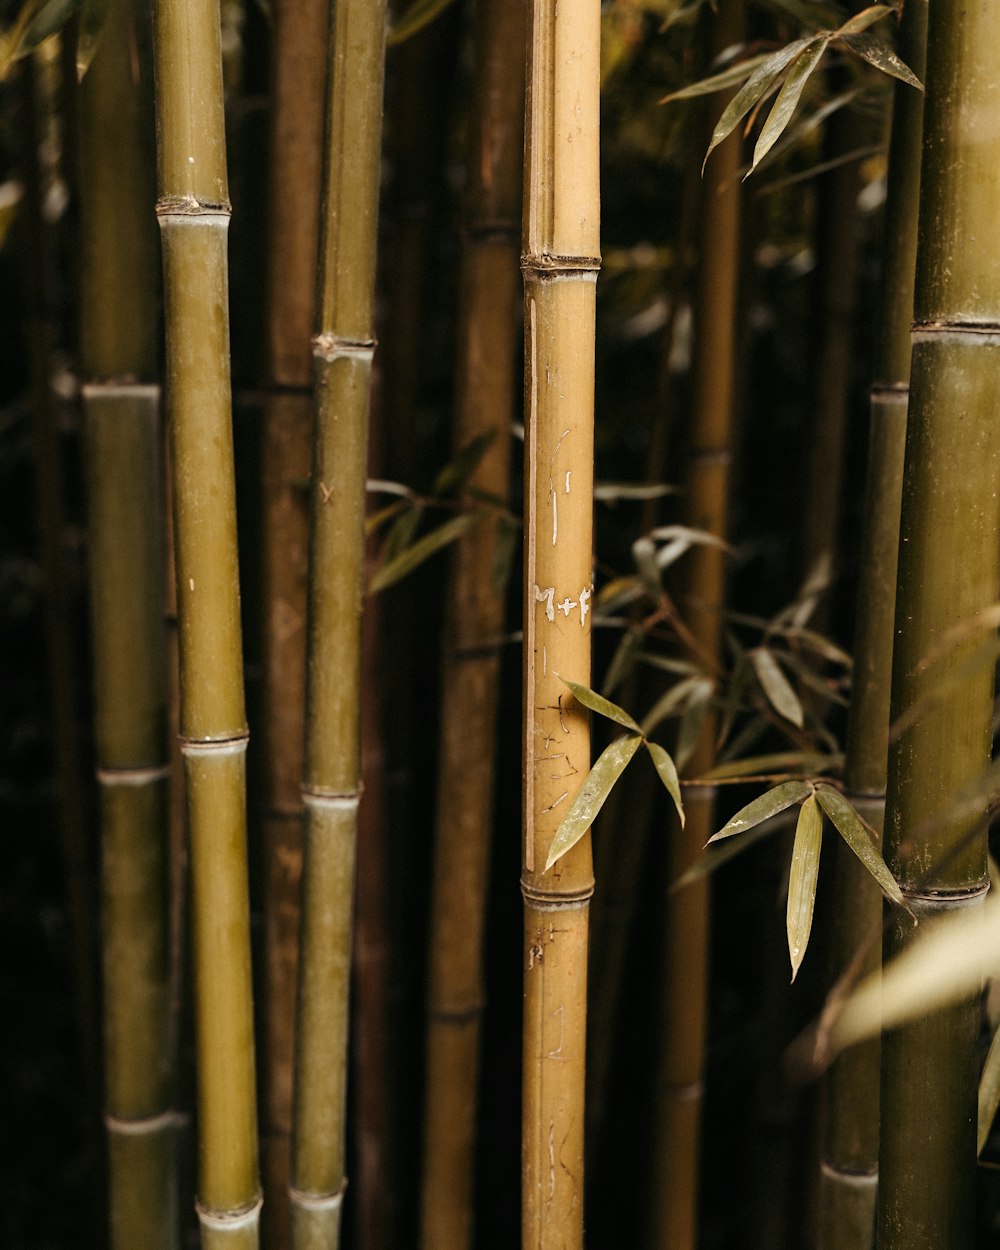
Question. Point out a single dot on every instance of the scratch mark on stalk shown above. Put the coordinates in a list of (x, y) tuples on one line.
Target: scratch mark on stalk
[(564, 795)]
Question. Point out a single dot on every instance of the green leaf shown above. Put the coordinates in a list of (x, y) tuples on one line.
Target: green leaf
[(592, 794), (763, 807), (776, 687), (802, 879), (420, 14), (779, 761), (597, 703), (754, 90), (412, 556), (667, 771), (400, 534), (867, 17), (728, 77), (623, 661), (90, 31), (943, 964), (457, 472), (878, 53), (672, 701), (788, 99), (989, 1091), (860, 839)]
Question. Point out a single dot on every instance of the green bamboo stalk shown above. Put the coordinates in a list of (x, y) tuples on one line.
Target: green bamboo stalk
[(849, 1152), (343, 348), (121, 410), (560, 264), (296, 144), (684, 993), (949, 553), (470, 670), (193, 212)]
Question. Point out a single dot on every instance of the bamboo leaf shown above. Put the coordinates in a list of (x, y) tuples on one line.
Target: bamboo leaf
[(592, 794), (622, 662), (597, 703), (457, 472), (779, 761), (878, 53), (694, 717), (776, 686), (788, 99), (507, 539), (36, 23), (91, 27), (989, 1091), (754, 90), (709, 861), (401, 533), (667, 771), (942, 965), (867, 17), (644, 554), (860, 839), (681, 538), (423, 548), (673, 700), (611, 492), (802, 880), (763, 807), (727, 77), (420, 14), (377, 519)]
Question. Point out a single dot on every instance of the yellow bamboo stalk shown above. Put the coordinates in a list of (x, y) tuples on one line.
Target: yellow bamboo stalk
[(470, 669), (560, 264), (300, 30), (343, 347), (193, 213)]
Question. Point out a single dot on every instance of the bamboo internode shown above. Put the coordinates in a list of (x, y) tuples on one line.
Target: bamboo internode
[(193, 213), (560, 265), (489, 292), (342, 346), (948, 558)]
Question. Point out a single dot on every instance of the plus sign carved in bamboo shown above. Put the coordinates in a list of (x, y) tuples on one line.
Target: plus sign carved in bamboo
[(560, 263)]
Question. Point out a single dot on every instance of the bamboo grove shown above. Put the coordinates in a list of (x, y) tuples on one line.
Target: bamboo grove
[(499, 604)]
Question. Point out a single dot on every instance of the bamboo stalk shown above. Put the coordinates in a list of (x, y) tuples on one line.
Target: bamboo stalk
[(560, 265), (121, 408), (849, 1161), (470, 670), (343, 348), (296, 143), (684, 992), (193, 213), (948, 558)]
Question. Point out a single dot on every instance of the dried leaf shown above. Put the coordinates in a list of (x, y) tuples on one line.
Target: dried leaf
[(694, 717), (776, 687), (763, 807), (644, 554), (802, 879), (867, 17), (860, 839), (592, 794), (611, 492), (597, 703), (412, 556), (878, 53), (788, 99), (667, 771)]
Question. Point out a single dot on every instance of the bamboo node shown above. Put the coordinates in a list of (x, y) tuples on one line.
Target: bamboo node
[(143, 1125), (189, 206), (214, 746), (225, 1221), (346, 802), (546, 900), (330, 347), (132, 776), (546, 265), (318, 1202), (941, 331)]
